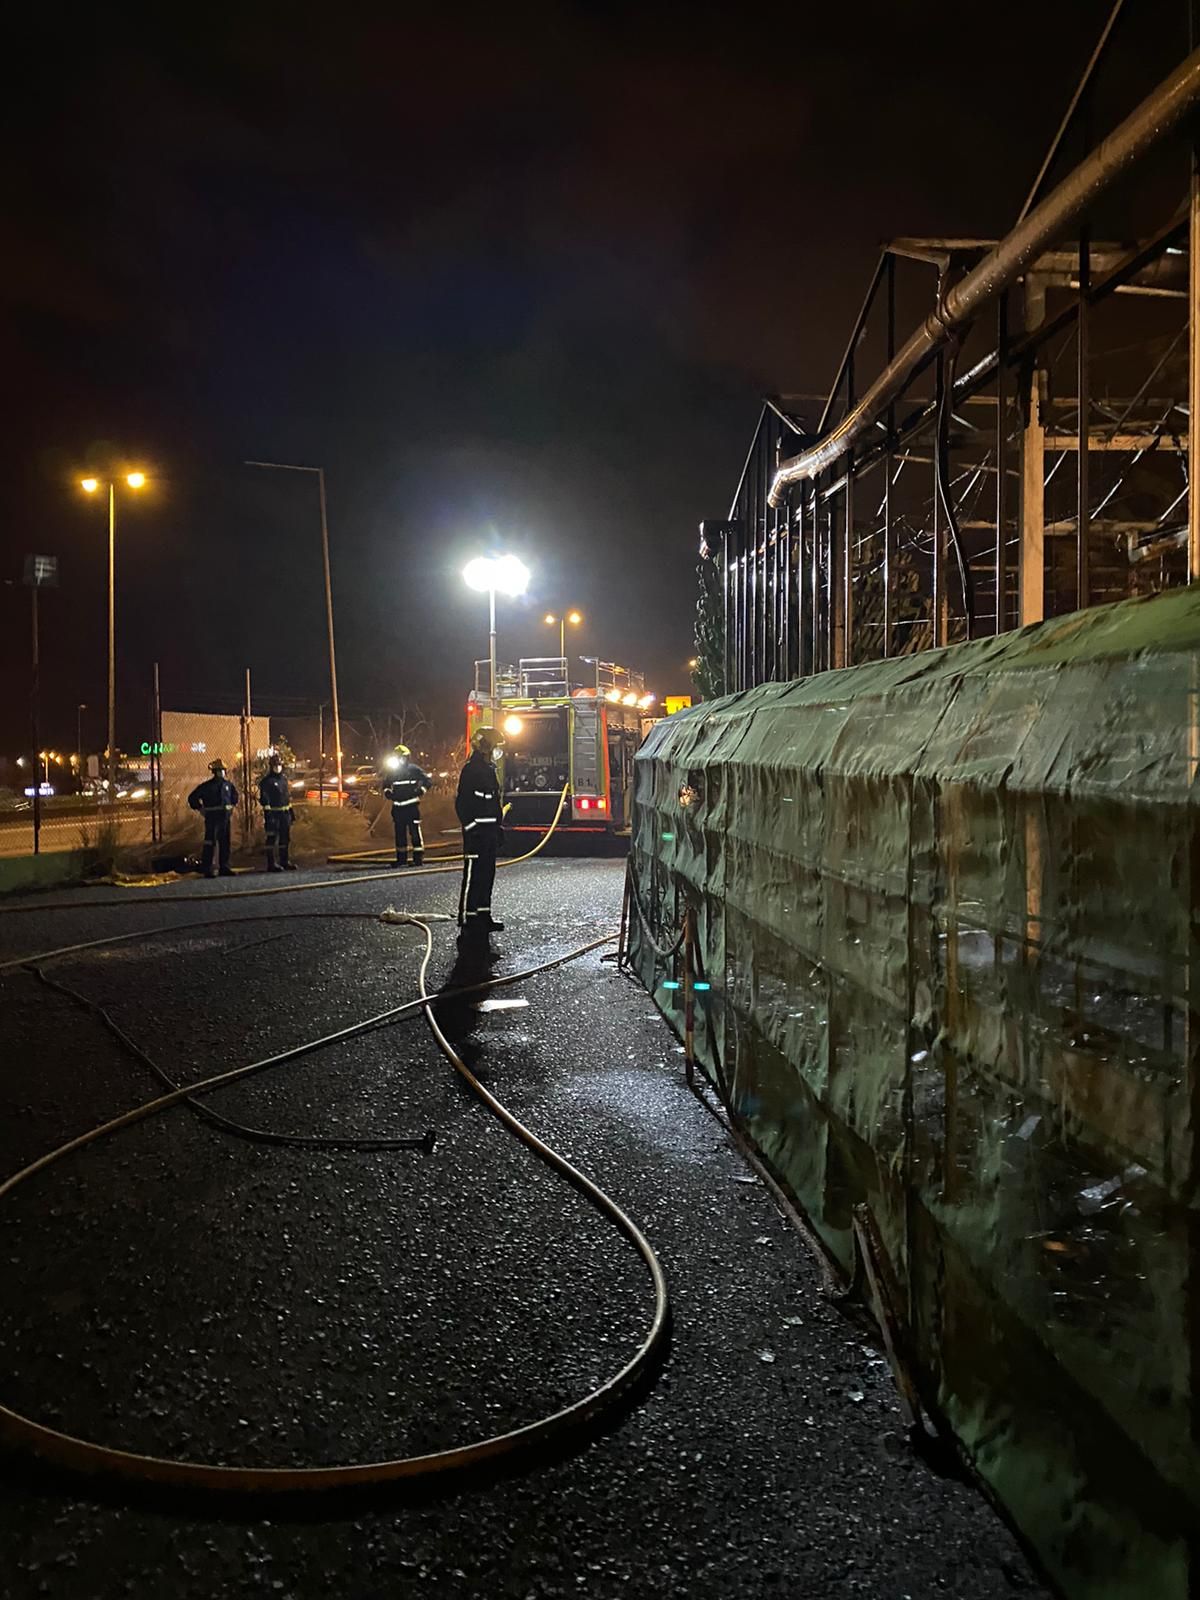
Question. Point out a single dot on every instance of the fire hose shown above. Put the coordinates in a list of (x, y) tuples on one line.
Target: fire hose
[(67, 1450)]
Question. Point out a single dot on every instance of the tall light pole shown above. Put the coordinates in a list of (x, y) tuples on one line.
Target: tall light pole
[(135, 480), (79, 710), (492, 575), (287, 466), (574, 618)]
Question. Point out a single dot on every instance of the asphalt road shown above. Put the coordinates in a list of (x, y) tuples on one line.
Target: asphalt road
[(176, 1289)]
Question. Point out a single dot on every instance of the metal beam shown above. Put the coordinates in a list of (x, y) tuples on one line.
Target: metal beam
[(847, 362), (1033, 511), (1015, 254), (1001, 582), (1082, 440), (1194, 368), (1169, 443)]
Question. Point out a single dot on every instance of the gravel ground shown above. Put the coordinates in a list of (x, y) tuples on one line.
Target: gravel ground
[(179, 1290)]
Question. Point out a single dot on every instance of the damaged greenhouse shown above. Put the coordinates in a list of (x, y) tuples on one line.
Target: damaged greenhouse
[(932, 838)]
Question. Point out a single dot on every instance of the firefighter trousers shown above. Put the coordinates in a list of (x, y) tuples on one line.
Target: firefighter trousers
[(216, 838), (277, 825), (479, 873), (406, 820)]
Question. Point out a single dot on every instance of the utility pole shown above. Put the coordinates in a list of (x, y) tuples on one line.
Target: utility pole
[(112, 647), (247, 716), (492, 654), (321, 755), (333, 689), (285, 466), (35, 731), (135, 480), (156, 805), (41, 572)]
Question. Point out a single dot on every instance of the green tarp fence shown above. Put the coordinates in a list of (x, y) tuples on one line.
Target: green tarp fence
[(946, 907)]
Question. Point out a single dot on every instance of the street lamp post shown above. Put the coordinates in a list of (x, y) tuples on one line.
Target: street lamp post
[(574, 618), (287, 466), (79, 710), (135, 480), (492, 574)]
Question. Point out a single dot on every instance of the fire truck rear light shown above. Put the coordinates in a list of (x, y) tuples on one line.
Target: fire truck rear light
[(600, 804), (585, 805)]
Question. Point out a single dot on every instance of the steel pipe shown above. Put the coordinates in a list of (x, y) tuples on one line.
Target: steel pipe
[(1002, 266)]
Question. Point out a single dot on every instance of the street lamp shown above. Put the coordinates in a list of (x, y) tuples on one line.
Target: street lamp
[(135, 480), (287, 466), (574, 618), (79, 710), (492, 574)]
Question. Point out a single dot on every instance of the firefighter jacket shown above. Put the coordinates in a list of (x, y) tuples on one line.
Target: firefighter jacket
[(477, 802), (273, 792), (407, 786), (215, 794)]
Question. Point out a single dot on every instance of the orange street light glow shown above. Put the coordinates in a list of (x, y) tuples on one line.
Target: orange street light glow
[(135, 480), (90, 484)]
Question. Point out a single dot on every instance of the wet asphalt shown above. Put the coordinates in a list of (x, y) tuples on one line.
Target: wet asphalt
[(178, 1290)]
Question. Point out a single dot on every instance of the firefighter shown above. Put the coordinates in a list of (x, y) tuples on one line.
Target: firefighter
[(479, 811), (278, 816), (404, 789), (216, 798)]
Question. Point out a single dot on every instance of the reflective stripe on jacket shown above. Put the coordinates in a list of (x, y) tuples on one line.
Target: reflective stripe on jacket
[(477, 802), (407, 787)]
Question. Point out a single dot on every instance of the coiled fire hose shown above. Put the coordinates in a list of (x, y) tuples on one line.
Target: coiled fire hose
[(67, 1450)]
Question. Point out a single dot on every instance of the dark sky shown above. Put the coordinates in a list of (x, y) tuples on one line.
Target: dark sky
[(525, 269)]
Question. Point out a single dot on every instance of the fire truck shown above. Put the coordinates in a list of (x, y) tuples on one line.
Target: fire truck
[(558, 732)]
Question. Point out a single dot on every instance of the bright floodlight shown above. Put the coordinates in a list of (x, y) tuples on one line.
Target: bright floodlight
[(504, 574), (135, 480), (631, 699), (89, 484), (574, 616), (513, 726)]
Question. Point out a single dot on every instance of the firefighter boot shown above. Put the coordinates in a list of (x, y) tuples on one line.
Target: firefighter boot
[(272, 866)]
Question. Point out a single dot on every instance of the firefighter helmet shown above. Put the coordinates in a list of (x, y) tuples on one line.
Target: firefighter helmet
[(216, 766), (401, 750), (486, 740)]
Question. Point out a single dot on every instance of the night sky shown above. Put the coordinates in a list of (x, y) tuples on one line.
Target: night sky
[(525, 270)]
